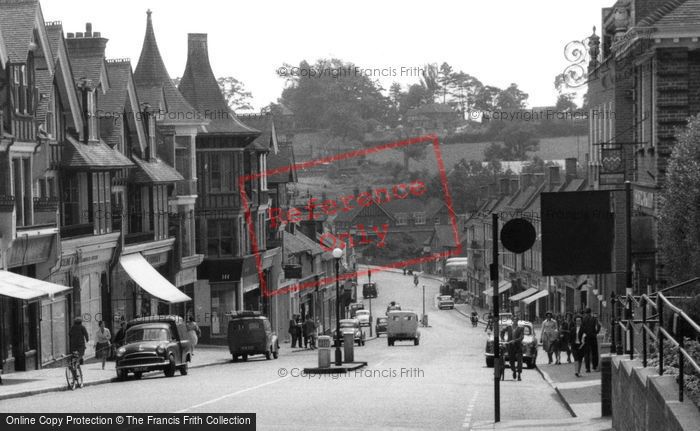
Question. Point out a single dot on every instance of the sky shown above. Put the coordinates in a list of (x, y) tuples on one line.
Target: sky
[(499, 42)]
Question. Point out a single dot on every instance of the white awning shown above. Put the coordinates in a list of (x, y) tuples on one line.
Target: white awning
[(503, 286), (536, 296), (250, 287), (150, 280), (21, 287), (524, 294)]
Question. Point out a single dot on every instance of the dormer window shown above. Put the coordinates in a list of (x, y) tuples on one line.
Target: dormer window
[(419, 218), (401, 219)]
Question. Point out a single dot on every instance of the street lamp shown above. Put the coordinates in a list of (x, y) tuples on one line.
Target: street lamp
[(337, 254)]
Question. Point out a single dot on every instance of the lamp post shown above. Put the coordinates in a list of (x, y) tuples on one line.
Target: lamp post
[(369, 277), (337, 254)]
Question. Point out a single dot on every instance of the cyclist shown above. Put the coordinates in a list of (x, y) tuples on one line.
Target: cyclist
[(78, 336)]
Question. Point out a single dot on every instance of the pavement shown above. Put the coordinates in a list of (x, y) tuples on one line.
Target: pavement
[(442, 384)]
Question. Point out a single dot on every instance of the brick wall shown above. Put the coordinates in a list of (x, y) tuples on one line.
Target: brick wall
[(644, 401)]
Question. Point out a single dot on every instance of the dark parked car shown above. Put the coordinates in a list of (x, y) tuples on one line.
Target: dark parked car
[(380, 327), (154, 343), (250, 333)]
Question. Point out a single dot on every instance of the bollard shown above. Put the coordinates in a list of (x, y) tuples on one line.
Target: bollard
[(606, 384), (324, 351), (348, 340)]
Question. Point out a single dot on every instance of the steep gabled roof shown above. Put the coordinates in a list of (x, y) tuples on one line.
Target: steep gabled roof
[(686, 14), (201, 90), (121, 97), (283, 158), (96, 156), (18, 20), (154, 84), (297, 242), (154, 171), (661, 12)]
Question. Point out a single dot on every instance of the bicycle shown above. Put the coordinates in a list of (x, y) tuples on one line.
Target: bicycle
[(74, 374)]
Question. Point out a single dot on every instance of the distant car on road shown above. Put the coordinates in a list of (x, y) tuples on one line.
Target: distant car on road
[(154, 343), (402, 325), (369, 290), (363, 317), (352, 308), (351, 326), (380, 326), (250, 333), (393, 306), (529, 344), (445, 301)]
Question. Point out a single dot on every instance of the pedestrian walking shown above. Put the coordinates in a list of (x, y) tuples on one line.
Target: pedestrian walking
[(293, 331), (591, 327), (120, 336), (577, 339), (309, 333), (549, 335), (513, 335), (565, 335), (193, 331), (102, 343), (78, 337)]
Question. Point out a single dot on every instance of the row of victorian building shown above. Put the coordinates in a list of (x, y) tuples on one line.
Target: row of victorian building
[(119, 193), (643, 82)]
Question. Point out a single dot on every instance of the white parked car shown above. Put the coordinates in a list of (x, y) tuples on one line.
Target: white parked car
[(363, 317)]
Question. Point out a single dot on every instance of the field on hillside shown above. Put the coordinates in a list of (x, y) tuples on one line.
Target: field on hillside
[(550, 149)]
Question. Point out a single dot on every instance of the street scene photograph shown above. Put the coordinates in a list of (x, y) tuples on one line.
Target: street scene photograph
[(350, 216)]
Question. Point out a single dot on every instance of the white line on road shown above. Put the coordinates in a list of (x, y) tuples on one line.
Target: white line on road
[(233, 394), (470, 408)]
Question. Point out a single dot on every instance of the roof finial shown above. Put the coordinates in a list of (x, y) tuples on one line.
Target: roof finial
[(593, 28), (148, 12)]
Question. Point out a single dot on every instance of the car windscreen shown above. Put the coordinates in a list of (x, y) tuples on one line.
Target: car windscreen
[(245, 325), (147, 333)]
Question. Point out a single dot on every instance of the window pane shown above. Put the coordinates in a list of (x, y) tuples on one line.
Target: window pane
[(215, 173)]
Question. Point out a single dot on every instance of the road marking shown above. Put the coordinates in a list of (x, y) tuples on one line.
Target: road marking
[(468, 417), (233, 394)]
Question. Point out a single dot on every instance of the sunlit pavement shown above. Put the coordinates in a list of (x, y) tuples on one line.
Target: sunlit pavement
[(441, 384)]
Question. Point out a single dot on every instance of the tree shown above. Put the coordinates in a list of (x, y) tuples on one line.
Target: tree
[(518, 140), (565, 102), (395, 94), (679, 215), (485, 98), (445, 79), (429, 82), (511, 98), (237, 97)]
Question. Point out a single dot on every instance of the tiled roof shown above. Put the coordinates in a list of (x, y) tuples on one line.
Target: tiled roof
[(153, 81), (267, 139), (663, 11), (284, 157), (114, 100), (96, 156), (54, 31), (44, 85), (154, 171), (445, 236), (685, 14), (87, 58), (404, 206), (200, 88), (299, 243), (347, 216), (17, 19)]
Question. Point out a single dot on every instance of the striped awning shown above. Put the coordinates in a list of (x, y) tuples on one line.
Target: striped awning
[(536, 296), (502, 287), (523, 295)]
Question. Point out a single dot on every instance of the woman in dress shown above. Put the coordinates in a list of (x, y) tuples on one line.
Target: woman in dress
[(193, 332), (564, 335), (102, 343), (577, 339)]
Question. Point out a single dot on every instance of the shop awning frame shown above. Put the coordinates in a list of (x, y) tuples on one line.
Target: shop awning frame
[(523, 294), (150, 280), (502, 287), (27, 288), (535, 297)]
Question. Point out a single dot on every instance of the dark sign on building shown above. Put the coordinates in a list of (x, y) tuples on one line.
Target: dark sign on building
[(577, 233)]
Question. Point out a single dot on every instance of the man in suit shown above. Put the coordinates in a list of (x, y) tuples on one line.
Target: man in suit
[(591, 327), (513, 335)]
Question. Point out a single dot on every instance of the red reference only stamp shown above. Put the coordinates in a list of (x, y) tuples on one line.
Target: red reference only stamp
[(360, 234)]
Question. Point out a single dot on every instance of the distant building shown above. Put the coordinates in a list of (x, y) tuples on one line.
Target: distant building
[(438, 118)]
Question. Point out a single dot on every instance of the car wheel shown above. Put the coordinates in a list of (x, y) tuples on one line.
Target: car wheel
[(184, 369), (276, 353), (390, 341), (121, 375), (138, 375), (531, 364), (245, 358), (416, 341), (489, 362), (234, 358), (170, 369), (268, 355)]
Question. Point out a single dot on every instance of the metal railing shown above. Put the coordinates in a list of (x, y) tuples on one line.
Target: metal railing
[(659, 331)]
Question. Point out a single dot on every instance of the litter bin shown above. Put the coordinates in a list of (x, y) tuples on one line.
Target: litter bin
[(348, 340), (324, 351)]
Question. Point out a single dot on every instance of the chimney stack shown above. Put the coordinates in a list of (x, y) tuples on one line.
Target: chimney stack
[(88, 29), (525, 180), (492, 190), (538, 179), (553, 178), (514, 185), (70, 35), (570, 168), (504, 186)]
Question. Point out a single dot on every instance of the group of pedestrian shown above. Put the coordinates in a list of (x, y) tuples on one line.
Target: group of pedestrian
[(575, 335), (305, 331)]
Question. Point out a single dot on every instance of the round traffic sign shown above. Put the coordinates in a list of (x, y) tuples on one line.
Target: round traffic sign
[(518, 235)]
